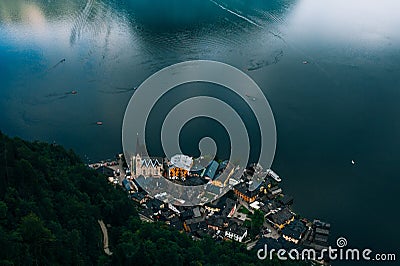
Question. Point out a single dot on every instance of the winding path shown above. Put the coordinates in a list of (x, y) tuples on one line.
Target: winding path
[(105, 237)]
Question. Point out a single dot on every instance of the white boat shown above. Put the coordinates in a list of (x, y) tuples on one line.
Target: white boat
[(250, 97), (353, 162), (274, 175)]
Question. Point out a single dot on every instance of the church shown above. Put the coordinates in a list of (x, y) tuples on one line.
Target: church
[(145, 165)]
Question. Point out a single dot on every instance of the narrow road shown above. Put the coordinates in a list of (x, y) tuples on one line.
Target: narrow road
[(105, 237), (251, 245)]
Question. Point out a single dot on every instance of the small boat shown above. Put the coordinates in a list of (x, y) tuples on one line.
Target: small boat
[(353, 162), (274, 175), (305, 62), (99, 123), (250, 97), (74, 92)]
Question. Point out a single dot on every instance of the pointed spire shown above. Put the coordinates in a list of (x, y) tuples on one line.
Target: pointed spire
[(137, 143)]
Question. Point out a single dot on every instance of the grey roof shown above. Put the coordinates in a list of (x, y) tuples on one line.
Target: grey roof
[(286, 200), (321, 224), (196, 212), (321, 238), (211, 169), (322, 231), (213, 189)]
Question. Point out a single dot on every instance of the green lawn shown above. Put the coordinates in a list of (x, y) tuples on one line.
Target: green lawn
[(243, 210)]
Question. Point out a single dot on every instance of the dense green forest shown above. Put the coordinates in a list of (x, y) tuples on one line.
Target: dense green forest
[(49, 206)]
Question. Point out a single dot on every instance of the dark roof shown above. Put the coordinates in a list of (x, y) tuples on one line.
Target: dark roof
[(147, 213), (275, 188), (244, 189), (215, 221), (236, 229), (187, 214), (154, 204), (211, 169), (286, 200), (219, 203), (265, 183), (294, 230), (176, 223), (138, 196), (168, 214), (222, 165), (229, 205), (126, 184), (287, 245), (265, 208), (107, 171), (281, 216), (194, 181), (198, 226)]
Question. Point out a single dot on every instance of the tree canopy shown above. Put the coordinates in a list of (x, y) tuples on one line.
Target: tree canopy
[(49, 206)]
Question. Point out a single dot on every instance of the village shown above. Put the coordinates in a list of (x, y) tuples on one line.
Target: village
[(256, 218)]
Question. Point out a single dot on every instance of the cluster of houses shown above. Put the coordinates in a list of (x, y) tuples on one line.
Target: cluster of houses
[(228, 217)]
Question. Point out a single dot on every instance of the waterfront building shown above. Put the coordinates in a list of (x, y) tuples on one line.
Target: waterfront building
[(242, 191), (211, 170), (177, 173), (281, 218), (145, 165), (236, 232), (294, 231)]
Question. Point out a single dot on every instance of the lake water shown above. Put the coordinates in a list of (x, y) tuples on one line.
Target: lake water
[(342, 105)]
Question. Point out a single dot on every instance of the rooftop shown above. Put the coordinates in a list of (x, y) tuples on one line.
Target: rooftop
[(244, 189), (182, 161), (236, 229)]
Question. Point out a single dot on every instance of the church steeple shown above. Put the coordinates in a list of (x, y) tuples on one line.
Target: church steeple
[(140, 148), (137, 144)]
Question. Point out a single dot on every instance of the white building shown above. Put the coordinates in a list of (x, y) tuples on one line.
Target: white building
[(145, 165), (236, 232), (182, 161)]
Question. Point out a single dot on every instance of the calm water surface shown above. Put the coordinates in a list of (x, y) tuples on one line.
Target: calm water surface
[(342, 105)]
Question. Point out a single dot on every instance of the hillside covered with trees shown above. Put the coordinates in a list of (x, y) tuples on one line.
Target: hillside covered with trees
[(49, 206)]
